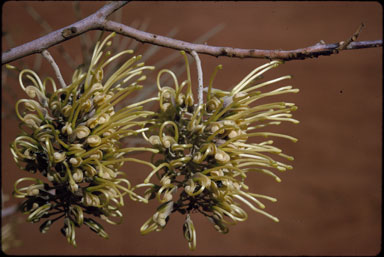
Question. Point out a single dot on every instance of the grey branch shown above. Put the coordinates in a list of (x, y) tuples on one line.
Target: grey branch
[(93, 22), (51, 61), (98, 21), (199, 76)]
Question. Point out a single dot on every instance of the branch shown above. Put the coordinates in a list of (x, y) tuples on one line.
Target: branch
[(97, 21), (298, 54), (50, 59), (355, 35), (199, 77), (92, 22)]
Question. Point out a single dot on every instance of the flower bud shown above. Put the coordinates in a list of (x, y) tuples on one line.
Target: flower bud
[(167, 196), (162, 213), (39, 212), (59, 157), (229, 123), (92, 122), (96, 227), (190, 187), (82, 131), (31, 91), (67, 129), (99, 75), (32, 120), (218, 173), (34, 206), (106, 173), (218, 224), (76, 149), (94, 140), (165, 106), (103, 118), (189, 99), (90, 199), (29, 154), (168, 141), (215, 126), (99, 98), (90, 171), (165, 181), (73, 187), (221, 156), (97, 86), (50, 177), (109, 132), (189, 232), (54, 105), (113, 192), (180, 99), (97, 155), (33, 190), (75, 161), (45, 226), (66, 110), (86, 106), (212, 104), (198, 157), (154, 140), (111, 111), (233, 134), (204, 180), (240, 96), (78, 175)]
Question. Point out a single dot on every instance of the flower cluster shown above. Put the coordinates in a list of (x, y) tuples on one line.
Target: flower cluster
[(201, 153), (205, 151), (72, 137)]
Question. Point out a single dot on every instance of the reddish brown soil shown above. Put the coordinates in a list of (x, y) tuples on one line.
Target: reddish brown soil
[(329, 204)]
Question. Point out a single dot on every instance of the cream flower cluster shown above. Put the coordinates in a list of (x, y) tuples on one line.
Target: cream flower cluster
[(205, 151), (201, 153), (72, 137)]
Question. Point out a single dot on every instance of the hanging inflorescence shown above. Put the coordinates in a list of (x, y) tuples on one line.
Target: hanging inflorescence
[(201, 153), (71, 136), (205, 153)]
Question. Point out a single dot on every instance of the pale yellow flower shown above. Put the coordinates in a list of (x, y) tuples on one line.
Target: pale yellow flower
[(205, 151)]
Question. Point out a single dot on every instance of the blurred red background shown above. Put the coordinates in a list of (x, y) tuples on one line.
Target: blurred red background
[(329, 204)]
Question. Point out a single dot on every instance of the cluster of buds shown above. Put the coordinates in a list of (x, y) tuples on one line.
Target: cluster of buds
[(205, 150), (72, 137)]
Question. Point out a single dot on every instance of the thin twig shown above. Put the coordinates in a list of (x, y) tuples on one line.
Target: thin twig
[(97, 21), (199, 77), (344, 44), (50, 59), (303, 53)]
